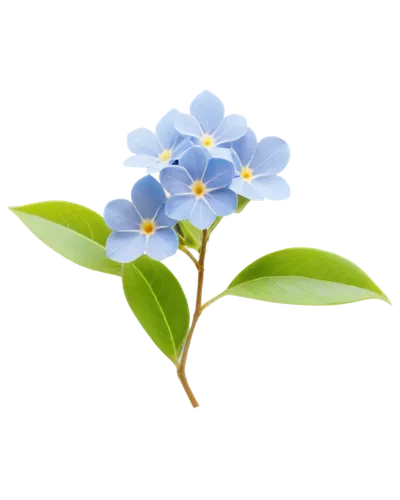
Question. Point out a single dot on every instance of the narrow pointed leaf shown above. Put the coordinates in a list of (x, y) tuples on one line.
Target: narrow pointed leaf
[(304, 276), (75, 232), (158, 302)]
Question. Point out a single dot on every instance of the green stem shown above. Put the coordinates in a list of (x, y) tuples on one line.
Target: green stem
[(211, 301), (196, 315), (187, 252)]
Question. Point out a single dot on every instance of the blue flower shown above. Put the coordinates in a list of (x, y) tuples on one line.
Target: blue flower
[(156, 150), (256, 167), (207, 126), (140, 226), (199, 188)]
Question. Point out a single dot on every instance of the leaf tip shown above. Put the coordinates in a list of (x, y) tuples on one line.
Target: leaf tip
[(389, 302), (11, 209), (385, 297), (15, 207)]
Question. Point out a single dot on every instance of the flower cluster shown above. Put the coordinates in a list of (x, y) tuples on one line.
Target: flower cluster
[(205, 160)]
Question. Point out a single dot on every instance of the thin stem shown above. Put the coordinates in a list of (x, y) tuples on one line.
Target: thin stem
[(211, 301), (188, 390), (187, 252), (196, 315)]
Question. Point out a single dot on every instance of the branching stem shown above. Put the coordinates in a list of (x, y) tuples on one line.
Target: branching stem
[(211, 301), (187, 252)]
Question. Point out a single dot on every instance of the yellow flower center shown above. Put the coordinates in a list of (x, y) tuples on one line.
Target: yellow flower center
[(147, 227), (207, 141), (246, 174), (199, 189), (165, 155)]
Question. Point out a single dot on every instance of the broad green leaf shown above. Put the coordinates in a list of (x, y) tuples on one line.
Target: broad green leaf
[(304, 276), (242, 203), (190, 236), (75, 232), (158, 302)]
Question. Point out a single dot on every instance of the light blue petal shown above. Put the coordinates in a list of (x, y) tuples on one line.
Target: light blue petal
[(157, 167), (147, 196), (181, 145), (245, 189), (162, 244), (179, 139), (141, 161), (219, 173), (144, 141), (162, 219), (188, 125), (232, 128), (176, 180), (236, 162), (222, 201), (271, 187), (208, 110), (165, 129), (250, 192), (180, 207), (245, 146), (196, 141), (125, 246), (221, 152), (195, 160), (237, 185), (121, 215), (202, 216), (271, 156)]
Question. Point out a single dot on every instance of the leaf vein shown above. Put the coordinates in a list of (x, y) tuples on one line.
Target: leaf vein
[(161, 310)]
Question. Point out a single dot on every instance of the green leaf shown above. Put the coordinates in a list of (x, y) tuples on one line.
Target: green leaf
[(158, 302), (75, 232), (304, 276), (242, 203), (190, 236)]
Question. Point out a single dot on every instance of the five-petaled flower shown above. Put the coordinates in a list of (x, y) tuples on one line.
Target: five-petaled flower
[(140, 226), (207, 126), (156, 150), (256, 166), (199, 188)]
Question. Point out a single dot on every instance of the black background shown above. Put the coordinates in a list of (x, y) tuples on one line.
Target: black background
[(68, 350)]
